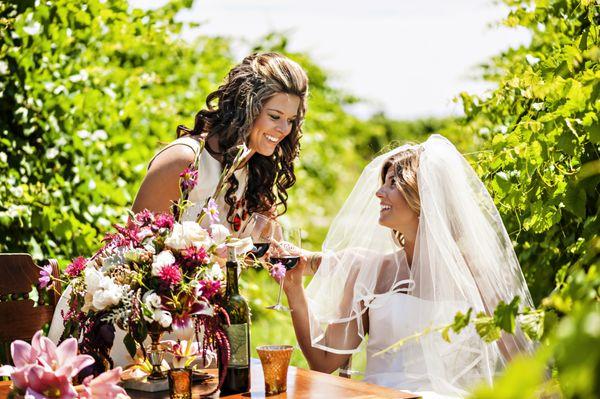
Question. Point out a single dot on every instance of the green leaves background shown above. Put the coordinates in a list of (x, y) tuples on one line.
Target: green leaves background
[(90, 90)]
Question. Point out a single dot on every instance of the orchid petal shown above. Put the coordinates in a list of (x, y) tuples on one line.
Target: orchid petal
[(21, 353)]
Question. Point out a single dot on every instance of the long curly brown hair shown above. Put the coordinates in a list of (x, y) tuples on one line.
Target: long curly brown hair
[(239, 101)]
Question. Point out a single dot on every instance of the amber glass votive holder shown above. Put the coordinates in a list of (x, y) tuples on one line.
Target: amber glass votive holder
[(275, 360), (180, 383)]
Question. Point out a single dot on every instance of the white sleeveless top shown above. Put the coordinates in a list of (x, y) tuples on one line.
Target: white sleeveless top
[(209, 172), (391, 317)]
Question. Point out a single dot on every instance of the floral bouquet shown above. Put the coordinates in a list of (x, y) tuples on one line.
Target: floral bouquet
[(43, 370), (154, 274)]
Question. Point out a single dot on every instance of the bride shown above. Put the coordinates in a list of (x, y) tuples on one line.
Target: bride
[(440, 247)]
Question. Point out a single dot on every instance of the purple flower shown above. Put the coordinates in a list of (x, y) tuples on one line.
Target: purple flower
[(76, 267), (212, 210), (277, 271), (45, 279), (188, 179)]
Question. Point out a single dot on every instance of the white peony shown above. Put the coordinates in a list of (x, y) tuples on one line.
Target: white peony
[(219, 233), (101, 290), (161, 260), (187, 234)]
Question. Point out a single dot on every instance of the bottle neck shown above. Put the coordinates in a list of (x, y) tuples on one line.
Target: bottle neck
[(232, 279)]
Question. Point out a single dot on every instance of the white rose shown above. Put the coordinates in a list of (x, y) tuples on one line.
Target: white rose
[(163, 318), (187, 234), (161, 260), (101, 290), (109, 295), (219, 233)]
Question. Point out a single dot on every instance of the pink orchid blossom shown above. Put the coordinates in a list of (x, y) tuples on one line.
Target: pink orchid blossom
[(43, 370), (104, 386)]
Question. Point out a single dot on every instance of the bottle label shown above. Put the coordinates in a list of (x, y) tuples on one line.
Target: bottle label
[(238, 341)]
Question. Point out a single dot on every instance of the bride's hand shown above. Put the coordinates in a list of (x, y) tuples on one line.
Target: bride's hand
[(293, 277)]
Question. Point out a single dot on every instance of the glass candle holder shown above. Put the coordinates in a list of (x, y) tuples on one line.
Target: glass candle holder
[(275, 360), (180, 383)]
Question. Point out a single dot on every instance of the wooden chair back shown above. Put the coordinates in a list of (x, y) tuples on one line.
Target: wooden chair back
[(20, 316)]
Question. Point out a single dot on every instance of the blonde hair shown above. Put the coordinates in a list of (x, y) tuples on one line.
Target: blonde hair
[(405, 165)]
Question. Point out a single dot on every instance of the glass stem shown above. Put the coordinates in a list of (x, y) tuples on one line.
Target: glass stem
[(279, 295)]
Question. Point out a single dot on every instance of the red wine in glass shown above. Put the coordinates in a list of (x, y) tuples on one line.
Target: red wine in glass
[(289, 262), (260, 249)]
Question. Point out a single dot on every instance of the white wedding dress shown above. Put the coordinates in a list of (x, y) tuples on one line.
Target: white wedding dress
[(208, 178), (392, 317), (463, 259)]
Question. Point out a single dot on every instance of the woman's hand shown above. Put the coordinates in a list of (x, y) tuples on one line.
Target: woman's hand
[(293, 277)]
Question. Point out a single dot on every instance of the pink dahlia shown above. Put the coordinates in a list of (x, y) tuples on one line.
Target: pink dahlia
[(170, 275)]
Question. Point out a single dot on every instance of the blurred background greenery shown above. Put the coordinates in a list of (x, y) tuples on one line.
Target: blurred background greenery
[(90, 90)]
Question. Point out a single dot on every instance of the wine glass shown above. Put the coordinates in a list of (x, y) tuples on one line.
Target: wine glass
[(260, 229), (289, 261)]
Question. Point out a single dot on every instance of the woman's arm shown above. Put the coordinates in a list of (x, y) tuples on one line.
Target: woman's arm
[(318, 359), (160, 186)]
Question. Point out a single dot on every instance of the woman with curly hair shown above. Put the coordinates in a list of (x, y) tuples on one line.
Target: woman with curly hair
[(261, 104)]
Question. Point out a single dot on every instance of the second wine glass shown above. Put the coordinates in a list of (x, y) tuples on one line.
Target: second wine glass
[(288, 260)]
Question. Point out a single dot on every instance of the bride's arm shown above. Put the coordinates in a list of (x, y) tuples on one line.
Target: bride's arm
[(318, 359)]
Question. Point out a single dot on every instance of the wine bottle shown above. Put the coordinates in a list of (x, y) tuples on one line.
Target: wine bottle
[(237, 379)]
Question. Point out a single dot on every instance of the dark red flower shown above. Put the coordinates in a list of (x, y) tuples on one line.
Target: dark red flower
[(188, 179)]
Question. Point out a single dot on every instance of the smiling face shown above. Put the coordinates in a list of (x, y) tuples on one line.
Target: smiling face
[(273, 123), (395, 212)]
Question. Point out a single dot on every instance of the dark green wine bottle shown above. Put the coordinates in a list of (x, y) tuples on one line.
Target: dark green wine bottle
[(237, 379)]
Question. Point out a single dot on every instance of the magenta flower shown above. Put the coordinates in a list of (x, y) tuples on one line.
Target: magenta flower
[(194, 257), (103, 386), (45, 279), (188, 179), (209, 288), (170, 275), (277, 271), (144, 218), (76, 267), (164, 220), (212, 210)]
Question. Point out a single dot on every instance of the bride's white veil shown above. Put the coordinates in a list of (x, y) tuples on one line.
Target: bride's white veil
[(463, 259)]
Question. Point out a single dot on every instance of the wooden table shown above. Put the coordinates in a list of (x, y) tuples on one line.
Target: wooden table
[(302, 384)]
